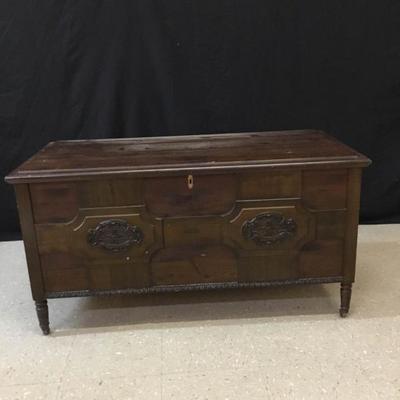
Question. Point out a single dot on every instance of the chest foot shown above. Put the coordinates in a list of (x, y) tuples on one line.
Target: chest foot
[(345, 297), (42, 311)]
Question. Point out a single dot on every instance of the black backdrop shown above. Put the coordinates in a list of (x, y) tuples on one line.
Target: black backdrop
[(118, 68)]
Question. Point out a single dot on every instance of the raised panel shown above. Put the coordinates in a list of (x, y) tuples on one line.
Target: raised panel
[(132, 274), (269, 267), (272, 260), (176, 196), (192, 231), (110, 193), (269, 185), (325, 189), (60, 202), (54, 202), (331, 224), (66, 280), (65, 248), (321, 258), (191, 265), (62, 258), (73, 237), (303, 221)]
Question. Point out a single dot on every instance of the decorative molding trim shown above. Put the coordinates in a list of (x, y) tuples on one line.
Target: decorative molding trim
[(115, 235), (267, 229), (193, 287)]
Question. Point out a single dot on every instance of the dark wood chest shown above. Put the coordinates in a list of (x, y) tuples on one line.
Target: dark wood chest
[(189, 212)]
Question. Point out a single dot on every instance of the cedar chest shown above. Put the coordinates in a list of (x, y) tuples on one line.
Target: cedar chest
[(189, 212)]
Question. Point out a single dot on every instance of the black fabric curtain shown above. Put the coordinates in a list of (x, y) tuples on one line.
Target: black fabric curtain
[(117, 68)]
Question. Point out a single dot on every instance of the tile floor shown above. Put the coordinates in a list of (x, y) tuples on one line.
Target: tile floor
[(280, 343)]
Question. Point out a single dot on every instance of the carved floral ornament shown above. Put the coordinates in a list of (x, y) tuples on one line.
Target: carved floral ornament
[(269, 228), (115, 235)]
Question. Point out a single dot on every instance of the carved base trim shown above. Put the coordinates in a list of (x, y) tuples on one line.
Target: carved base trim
[(345, 297), (42, 311), (200, 286)]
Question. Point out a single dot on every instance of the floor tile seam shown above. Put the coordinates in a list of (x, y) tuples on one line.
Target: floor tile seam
[(30, 384), (204, 371), (112, 378), (33, 383)]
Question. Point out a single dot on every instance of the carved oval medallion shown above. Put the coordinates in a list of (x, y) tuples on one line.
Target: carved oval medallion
[(115, 235), (269, 228)]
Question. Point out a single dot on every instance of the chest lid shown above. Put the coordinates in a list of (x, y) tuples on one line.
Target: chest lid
[(82, 159)]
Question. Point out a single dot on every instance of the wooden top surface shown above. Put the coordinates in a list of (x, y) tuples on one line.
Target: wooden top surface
[(78, 159)]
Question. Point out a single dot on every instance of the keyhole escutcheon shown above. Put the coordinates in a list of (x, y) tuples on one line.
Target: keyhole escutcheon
[(190, 182)]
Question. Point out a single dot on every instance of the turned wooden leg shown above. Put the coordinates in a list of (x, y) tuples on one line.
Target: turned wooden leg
[(42, 311), (345, 296)]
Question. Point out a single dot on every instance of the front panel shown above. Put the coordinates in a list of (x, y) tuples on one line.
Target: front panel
[(191, 229)]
